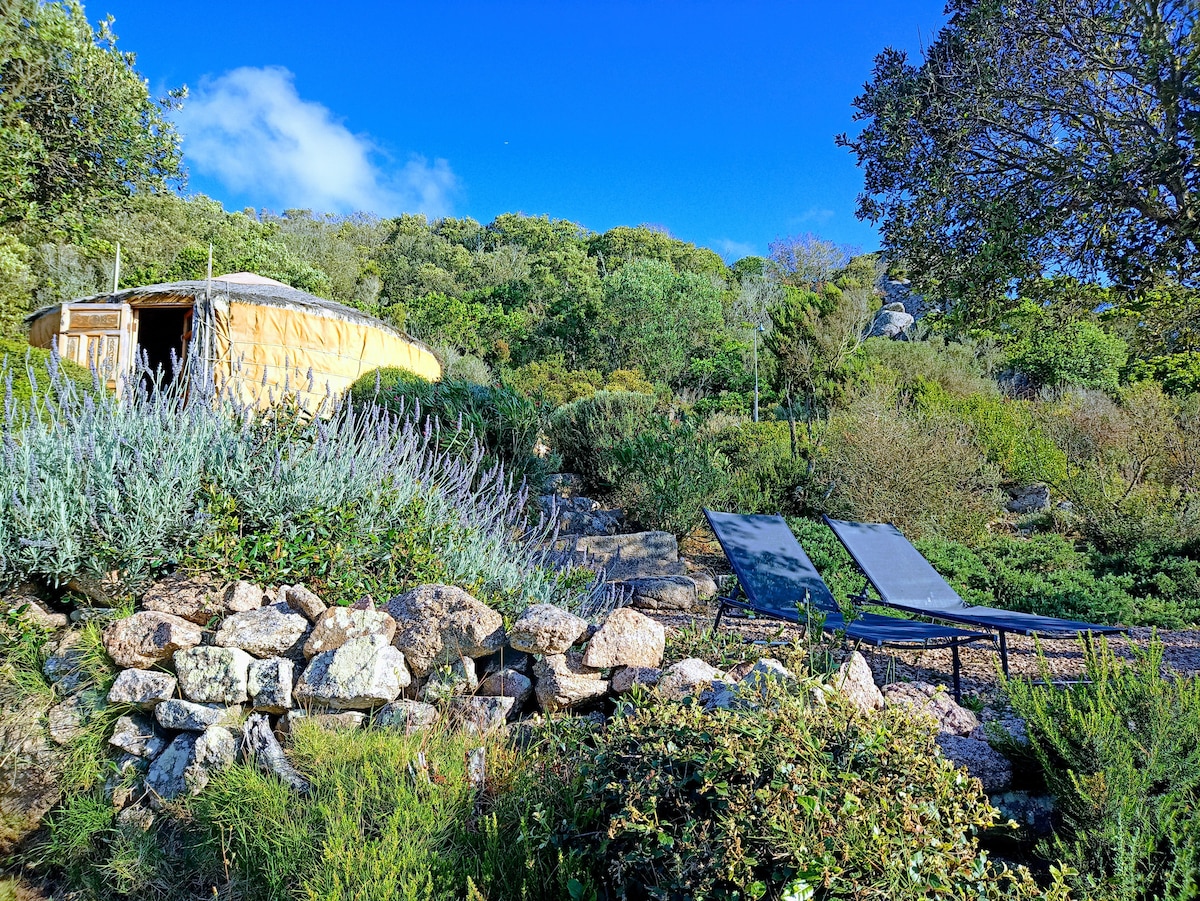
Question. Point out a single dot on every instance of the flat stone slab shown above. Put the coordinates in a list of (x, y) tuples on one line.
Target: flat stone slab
[(642, 555)]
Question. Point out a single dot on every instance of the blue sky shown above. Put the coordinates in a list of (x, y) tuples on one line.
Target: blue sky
[(715, 121)]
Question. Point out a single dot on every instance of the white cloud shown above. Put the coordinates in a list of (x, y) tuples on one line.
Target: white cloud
[(252, 131), (732, 251)]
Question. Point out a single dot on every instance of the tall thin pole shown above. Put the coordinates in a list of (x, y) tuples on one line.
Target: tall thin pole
[(117, 270), (756, 330)]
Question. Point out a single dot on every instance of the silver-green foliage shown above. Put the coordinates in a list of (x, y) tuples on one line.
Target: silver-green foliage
[(96, 485)]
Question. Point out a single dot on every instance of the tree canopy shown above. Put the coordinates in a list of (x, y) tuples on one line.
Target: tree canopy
[(1036, 136)]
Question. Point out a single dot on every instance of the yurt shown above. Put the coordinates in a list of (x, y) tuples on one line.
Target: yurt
[(253, 335)]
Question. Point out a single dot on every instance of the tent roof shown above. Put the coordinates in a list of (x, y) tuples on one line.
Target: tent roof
[(241, 286)]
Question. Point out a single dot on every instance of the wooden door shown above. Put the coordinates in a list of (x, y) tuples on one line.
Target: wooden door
[(100, 335)]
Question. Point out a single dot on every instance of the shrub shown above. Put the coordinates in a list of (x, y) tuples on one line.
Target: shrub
[(784, 801), (882, 462), (31, 374), (1076, 353), (502, 420), (763, 473), (1121, 756), (665, 473), (128, 485), (585, 432), (959, 369)]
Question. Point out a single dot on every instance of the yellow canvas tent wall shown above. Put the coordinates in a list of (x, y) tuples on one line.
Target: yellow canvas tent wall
[(253, 335)]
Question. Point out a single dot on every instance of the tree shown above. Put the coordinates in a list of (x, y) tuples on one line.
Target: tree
[(812, 337), (808, 261), (654, 317), (1038, 135), (78, 126)]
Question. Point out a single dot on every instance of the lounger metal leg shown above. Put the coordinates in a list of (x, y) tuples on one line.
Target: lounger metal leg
[(717, 621), (957, 681), (1004, 653)]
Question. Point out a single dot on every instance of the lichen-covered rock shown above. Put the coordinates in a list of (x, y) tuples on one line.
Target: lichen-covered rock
[(933, 702), (627, 638), (546, 629), (66, 664), (243, 596), (136, 735), (626, 677), (23, 602), (439, 623), (687, 678), (188, 763), (68, 719), (187, 716), (664, 593), (303, 601), (212, 675), (272, 631), (142, 640), (362, 673), (767, 670), (337, 625), (479, 714), (706, 585), (563, 681), (142, 688), (855, 680), (269, 684), (31, 770), (448, 679), (978, 758), (507, 683), (197, 599), (408, 716)]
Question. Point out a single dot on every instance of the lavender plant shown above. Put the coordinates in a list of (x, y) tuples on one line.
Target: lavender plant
[(98, 487)]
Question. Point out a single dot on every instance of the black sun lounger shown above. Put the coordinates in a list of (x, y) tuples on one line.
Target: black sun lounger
[(906, 581), (776, 579)]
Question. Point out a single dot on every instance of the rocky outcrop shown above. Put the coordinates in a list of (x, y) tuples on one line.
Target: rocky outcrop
[(638, 556), (148, 637), (407, 716), (627, 638), (990, 767), (272, 631), (361, 674), (563, 681), (931, 702), (546, 629), (663, 594), (439, 623), (337, 625), (855, 680), (213, 675), (142, 688), (687, 678)]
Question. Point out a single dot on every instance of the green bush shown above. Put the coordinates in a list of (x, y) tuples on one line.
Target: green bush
[(789, 800), (586, 431), (1076, 353), (133, 486), (884, 462), (19, 361), (503, 421), (958, 369), (763, 473), (1121, 756), (665, 473)]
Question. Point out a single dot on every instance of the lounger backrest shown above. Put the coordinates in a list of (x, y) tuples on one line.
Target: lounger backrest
[(897, 570), (771, 567)]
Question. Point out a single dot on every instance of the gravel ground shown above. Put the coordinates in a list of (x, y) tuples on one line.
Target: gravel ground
[(980, 661)]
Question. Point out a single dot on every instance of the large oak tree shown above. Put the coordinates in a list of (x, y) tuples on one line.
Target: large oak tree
[(1039, 136)]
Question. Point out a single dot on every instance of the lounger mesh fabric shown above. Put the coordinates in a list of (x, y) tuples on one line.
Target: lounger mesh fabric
[(907, 581), (779, 579)]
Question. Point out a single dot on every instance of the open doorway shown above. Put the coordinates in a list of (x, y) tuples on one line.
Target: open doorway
[(161, 333)]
